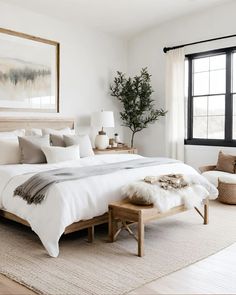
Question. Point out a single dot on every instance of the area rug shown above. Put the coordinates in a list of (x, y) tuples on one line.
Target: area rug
[(104, 268)]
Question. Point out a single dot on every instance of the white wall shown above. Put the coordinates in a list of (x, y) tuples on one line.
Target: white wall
[(89, 60), (147, 50)]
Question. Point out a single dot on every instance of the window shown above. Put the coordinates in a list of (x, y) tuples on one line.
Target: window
[(211, 98)]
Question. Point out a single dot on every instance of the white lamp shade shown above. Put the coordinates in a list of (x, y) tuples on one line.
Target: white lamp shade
[(102, 119)]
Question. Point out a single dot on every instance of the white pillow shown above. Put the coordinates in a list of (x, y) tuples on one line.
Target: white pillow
[(83, 141), (33, 132), (55, 154), (66, 131), (12, 134), (9, 151)]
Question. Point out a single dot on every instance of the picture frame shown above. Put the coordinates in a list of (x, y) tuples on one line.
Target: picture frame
[(29, 73)]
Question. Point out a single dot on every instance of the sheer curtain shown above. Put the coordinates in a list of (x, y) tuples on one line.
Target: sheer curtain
[(175, 103)]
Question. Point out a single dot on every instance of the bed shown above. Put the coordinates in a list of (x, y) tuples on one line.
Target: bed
[(78, 204)]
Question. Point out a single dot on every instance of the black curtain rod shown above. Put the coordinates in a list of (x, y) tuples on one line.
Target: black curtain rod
[(166, 49)]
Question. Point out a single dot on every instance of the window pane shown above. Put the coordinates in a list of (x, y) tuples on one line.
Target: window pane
[(200, 127), (218, 62), (216, 105), (216, 127), (217, 81), (201, 65), (200, 106), (201, 83)]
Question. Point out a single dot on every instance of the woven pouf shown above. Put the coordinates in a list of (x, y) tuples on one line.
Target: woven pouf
[(227, 192)]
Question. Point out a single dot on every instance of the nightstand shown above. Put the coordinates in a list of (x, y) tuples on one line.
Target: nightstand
[(122, 150)]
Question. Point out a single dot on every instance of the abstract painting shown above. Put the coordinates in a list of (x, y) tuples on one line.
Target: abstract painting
[(29, 73)]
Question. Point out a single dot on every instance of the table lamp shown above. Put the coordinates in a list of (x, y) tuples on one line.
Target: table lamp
[(102, 119)]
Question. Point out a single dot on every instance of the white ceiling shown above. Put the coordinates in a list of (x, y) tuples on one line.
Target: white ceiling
[(121, 17)]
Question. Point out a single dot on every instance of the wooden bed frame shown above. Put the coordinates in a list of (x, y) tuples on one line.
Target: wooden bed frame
[(12, 123)]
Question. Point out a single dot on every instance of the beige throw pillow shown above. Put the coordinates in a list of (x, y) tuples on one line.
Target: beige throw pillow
[(30, 148), (9, 151), (226, 162), (83, 141)]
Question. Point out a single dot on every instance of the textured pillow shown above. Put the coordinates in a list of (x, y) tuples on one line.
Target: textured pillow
[(12, 134), (30, 149), (84, 143), (9, 151), (55, 154), (226, 163)]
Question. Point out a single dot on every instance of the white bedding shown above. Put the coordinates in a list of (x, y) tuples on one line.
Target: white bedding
[(76, 200)]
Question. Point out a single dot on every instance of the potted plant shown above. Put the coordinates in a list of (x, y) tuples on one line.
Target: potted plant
[(138, 106)]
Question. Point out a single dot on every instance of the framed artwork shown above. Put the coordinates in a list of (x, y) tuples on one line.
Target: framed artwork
[(29, 73)]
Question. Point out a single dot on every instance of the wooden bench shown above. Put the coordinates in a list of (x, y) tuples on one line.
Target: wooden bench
[(123, 213)]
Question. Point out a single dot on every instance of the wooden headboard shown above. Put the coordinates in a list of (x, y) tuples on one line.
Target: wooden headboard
[(12, 123)]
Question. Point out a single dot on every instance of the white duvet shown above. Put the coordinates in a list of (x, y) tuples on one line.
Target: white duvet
[(76, 200)]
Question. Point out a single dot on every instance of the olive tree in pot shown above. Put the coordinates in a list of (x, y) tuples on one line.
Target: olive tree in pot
[(138, 106)]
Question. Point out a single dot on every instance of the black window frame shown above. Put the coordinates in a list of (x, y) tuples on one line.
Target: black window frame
[(228, 140)]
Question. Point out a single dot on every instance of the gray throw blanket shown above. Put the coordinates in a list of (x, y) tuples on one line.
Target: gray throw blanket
[(35, 188)]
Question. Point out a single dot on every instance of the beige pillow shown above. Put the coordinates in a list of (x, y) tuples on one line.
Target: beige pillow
[(83, 141), (55, 154), (57, 140), (226, 163), (9, 151), (30, 148)]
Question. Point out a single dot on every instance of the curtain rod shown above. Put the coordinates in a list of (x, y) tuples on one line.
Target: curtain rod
[(166, 49)]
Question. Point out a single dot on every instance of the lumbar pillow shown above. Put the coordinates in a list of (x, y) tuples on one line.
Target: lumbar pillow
[(226, 162), (30, 148), (55, 154), (83, 141), (9, 151)]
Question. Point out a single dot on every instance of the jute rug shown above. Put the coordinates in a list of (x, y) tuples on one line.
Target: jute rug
[(103, 268)]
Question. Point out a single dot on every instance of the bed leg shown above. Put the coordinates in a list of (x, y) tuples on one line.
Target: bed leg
[(90, 234), (206, 212), (111, 226)]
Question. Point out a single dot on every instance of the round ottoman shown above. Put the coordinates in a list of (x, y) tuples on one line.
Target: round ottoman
[(227, 192)]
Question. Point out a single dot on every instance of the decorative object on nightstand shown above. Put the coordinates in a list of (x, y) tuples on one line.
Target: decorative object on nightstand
[(135, 96), (102, 119), (117, 150), (117, 138)]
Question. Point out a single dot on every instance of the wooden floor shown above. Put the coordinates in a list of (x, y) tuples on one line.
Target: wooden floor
[(213, 275)]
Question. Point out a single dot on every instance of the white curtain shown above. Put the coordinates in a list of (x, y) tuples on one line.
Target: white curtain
[(175, 103)]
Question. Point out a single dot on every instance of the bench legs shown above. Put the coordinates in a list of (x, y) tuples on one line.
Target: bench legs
[(206, 212), (90, 234), (205, 215), (140, 236)]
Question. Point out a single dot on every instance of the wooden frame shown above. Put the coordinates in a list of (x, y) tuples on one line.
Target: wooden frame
[(76, 226), (57, 63), (123, 213), (13, 123)]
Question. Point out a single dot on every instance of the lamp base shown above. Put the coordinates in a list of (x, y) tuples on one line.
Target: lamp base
[(101, 141)]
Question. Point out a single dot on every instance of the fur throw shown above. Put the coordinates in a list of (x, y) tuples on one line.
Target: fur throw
[(195, 188)]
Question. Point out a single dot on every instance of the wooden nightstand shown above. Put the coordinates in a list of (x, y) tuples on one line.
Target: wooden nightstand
[(123, 150)]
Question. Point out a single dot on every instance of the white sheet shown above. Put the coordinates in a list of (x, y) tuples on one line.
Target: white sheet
[(72, 201)]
